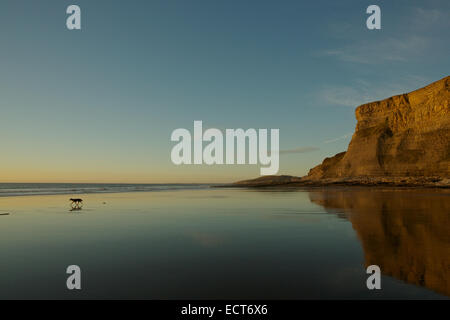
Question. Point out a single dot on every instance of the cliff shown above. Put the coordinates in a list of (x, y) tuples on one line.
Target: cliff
[(401, 141), (403, 136)]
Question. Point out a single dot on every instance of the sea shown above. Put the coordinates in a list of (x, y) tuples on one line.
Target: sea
[(23, 189)]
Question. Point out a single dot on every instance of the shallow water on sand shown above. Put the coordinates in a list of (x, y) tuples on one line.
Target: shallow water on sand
[(226, 243)]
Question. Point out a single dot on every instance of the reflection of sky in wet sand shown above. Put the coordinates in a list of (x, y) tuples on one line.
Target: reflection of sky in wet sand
[(206, 239), (223, 243)]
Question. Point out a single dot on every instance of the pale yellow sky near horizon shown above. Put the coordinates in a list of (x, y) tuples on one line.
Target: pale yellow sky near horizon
[(178, 174), (85, 168)]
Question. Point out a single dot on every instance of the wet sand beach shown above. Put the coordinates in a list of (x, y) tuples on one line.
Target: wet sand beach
[(228, 243)]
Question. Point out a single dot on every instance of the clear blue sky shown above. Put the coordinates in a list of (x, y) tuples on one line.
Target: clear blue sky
[(100, 104)]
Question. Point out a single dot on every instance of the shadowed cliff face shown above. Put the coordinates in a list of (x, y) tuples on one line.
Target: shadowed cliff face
[(405, 232), (405, 135)]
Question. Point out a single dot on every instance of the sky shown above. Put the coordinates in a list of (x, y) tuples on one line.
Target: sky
[(99, 104)]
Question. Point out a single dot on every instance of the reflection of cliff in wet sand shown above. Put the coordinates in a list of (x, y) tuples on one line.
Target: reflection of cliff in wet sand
[(405, 232), (402, 140)]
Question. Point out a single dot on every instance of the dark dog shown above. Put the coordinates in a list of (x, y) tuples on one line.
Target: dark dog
[(76, 202)]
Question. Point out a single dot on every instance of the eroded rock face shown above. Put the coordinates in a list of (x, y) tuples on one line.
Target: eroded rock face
[(403, 136)]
